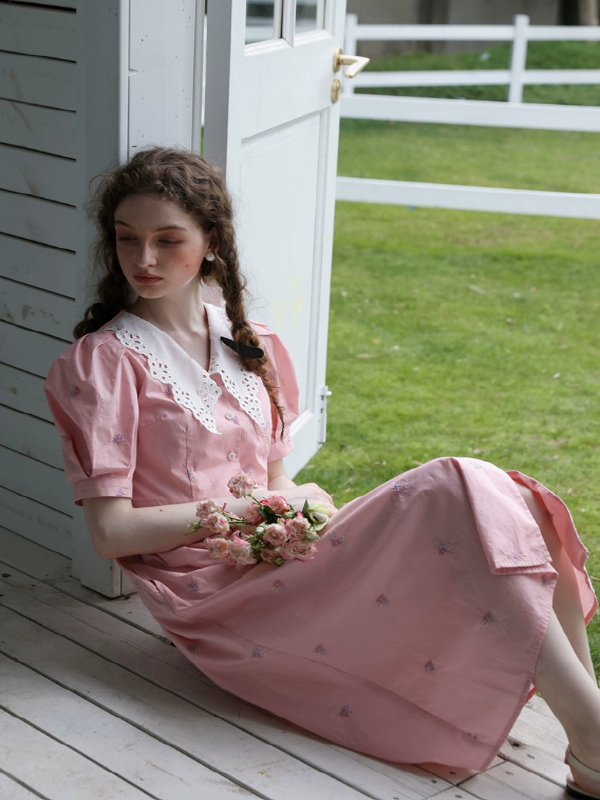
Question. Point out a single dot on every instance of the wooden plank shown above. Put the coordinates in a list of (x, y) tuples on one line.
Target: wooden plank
[(39, 220), (38, 561), (454, 794), (164, 666), (38, 31), (510, 782), (535, 760), (46, 129), (469, 198), (110, 742), (37, 310), (33, 479), (534, 729), (68, 4), (10, 790), (27, 349), (35, 521), (251, 763), (41, 81), (24, 392), (38, 265), (38, 174), (53, 770), (30, 436)]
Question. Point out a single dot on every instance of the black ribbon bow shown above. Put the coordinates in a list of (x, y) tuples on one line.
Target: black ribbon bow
[(245, 350)]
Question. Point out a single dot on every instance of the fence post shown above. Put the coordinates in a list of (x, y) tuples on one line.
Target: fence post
[(518, 58), (349, 48)]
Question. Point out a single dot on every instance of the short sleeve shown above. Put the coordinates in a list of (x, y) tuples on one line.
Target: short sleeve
[(92, 393), (286, 382)]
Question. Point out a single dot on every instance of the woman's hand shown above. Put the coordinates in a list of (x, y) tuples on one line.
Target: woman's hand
[(296, 495)]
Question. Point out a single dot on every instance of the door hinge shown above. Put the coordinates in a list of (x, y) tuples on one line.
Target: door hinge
[(322, 433)]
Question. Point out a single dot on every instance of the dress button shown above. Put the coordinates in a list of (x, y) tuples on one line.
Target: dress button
[(231, 455), (229, 415)]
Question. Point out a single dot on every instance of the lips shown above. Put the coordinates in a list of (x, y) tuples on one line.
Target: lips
[(147, 278)]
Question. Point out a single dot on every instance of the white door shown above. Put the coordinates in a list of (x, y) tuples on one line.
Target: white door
[(271, 123)]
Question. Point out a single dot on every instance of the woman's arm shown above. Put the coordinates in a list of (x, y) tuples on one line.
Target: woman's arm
[(118, 529)]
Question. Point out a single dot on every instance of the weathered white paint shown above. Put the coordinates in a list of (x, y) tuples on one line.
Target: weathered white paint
[(511, 782), (480, 198), (36, 522), (38, 174), (37, 310), (23, 391), (38, 220), (11, 790), (42, 81), (20, 346), (30, 436), (26, 477), (69, 4), (38, 265), (38, 31), (45, 129)]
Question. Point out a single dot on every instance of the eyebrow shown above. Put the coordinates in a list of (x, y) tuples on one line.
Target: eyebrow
[(156, 230)]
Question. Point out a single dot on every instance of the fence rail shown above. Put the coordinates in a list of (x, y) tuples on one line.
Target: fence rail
[(512, 114)]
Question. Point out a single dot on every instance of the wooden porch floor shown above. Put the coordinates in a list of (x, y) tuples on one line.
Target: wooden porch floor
[(95, 704)]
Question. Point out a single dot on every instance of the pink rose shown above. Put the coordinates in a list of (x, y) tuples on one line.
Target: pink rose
[(241, 484), (279, 505), (206, 507), (252, 515), (216, 523), (217, 548), (269, 555), (239, 550), (302, 551), (275, 535), (296, 528)]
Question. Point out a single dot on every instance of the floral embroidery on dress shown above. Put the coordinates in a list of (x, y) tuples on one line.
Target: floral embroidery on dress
[(248, 468), (191, 475), (119, 439), (120, 493), (137, 583), (320, 650), (258, 653), (443, 548), (74, 391), (487, 619), (400, 488), (548, 580), (169, 392), (429, 666), (278, 586), (345, 712), (66, 439), (192, 585), (193, 648), (336, 539), (515, 557), (381, 600)]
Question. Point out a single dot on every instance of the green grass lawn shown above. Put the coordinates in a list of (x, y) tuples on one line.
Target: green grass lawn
[(465, 333)]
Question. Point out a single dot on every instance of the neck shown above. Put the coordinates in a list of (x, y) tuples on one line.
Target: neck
[(184, 315)]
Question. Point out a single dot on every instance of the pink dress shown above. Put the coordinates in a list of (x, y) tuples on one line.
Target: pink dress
[(413, 634)]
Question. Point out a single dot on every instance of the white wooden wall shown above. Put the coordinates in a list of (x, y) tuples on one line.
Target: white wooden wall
[(82, 85)]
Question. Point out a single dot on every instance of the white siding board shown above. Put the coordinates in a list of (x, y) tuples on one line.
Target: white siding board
[(30, 436), (24, 392), (47, 129), (36, 522), (42, 81), (38, 174), (40, 220), (10, 790), (38, 265), (36, 310), (38, 31), (29, 350), (69, 4), (33, 479)]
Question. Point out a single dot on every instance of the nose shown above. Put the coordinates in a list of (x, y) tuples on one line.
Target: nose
[(146, 255)]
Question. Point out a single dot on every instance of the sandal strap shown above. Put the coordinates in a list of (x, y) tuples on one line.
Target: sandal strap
[(572, 761)]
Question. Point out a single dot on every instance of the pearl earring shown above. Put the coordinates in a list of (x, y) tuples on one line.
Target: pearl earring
[(210, 256)]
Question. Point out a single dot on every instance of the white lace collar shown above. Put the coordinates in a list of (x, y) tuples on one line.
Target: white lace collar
[(191, 384)]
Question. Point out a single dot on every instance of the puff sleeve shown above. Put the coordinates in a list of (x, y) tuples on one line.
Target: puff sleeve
[(284, 376), (92, 393)]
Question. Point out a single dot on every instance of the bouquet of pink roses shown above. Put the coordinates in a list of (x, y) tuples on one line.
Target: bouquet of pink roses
[(270, 529)]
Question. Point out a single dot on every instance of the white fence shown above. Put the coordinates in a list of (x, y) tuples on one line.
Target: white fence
[(512, 114)]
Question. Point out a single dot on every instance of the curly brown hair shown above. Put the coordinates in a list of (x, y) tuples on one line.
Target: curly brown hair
[(199, 188)]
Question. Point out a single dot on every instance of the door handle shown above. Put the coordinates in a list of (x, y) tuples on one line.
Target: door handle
[(356, 63)]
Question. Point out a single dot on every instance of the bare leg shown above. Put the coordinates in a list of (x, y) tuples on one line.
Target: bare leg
[(567, 604)]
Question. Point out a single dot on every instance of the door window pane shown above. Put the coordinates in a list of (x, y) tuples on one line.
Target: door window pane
[(310, 15), (263, 20)]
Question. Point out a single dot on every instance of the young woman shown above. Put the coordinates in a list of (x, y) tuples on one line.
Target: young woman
[(435, 601)]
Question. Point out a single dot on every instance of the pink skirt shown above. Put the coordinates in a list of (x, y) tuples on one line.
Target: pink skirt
[(413, 634)]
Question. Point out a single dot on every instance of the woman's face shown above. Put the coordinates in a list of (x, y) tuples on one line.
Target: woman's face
[(159, 245)]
